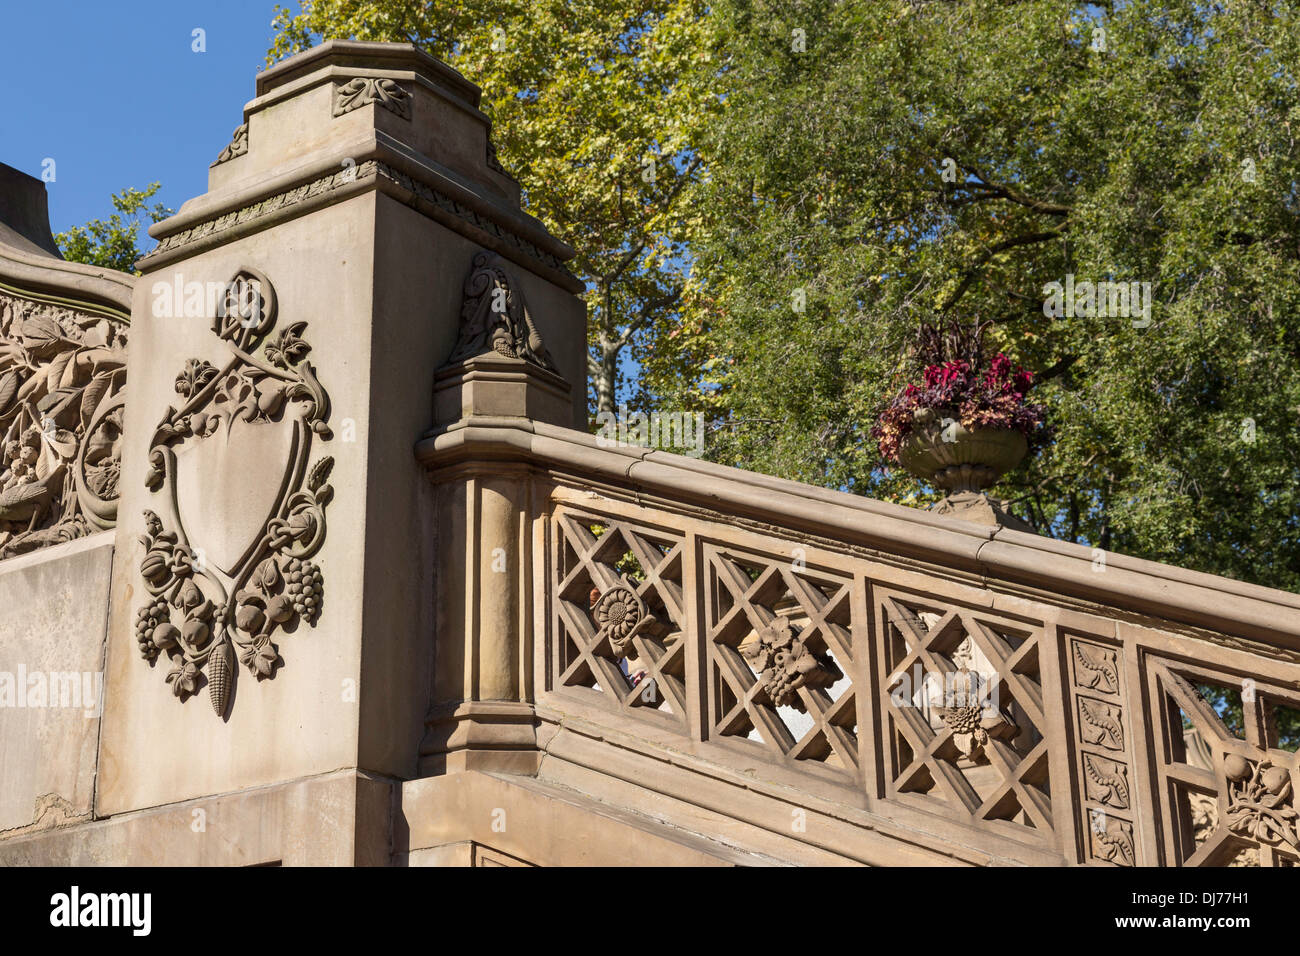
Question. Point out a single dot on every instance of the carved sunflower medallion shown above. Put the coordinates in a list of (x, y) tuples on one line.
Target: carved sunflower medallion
[(620, 614)]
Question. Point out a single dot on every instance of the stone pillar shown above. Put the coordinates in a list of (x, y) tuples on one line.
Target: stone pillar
[(288, 582), (500, 370)]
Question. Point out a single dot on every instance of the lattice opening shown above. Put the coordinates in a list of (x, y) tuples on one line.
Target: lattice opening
[(621, 614), (1239, 856), (780, 658), (1226, 701), (841, 719), (1284, 723)]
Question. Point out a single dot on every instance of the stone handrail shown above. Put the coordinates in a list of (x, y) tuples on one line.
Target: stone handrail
[(1008, 696)]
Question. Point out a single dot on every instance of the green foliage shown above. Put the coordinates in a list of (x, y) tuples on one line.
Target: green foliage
[(1227, 702), (1169, 157), (582, 95), (114, 243), (799, 229)]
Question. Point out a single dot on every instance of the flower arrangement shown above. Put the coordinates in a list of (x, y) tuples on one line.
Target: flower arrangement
[(976, 393)]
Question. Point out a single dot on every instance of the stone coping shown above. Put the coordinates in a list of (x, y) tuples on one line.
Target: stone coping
[(368, 55), (379, 162), (1149, 588), (71, 284)]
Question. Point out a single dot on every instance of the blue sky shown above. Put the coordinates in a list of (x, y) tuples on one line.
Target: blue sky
[(114, 94)]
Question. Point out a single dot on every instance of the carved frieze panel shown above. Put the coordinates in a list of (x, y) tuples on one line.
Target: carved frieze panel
[(363, 90), (1101, 750), (1112, 841), (62, 374), (963, 703), (370, 170), (1101, 723), (241, 499)]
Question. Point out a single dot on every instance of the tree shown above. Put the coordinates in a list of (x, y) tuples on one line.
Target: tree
[(884, 164), (596, 105), (114, 243)]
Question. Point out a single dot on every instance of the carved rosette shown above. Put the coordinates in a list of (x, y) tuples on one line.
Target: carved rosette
[(973, 718), (785, 663), (62, 374), (215, 600), (364, 90), (495, 318)]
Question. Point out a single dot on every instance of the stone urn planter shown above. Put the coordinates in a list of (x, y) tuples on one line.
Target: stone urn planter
[(955, 458), (963, 462)]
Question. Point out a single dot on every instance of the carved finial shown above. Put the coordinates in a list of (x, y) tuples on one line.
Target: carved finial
[(495, 317)]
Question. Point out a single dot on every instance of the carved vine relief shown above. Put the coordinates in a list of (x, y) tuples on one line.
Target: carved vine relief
[(62, 372), (229, 567), (1260, 803)]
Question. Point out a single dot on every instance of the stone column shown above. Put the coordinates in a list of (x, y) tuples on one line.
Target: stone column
[(287, 581)]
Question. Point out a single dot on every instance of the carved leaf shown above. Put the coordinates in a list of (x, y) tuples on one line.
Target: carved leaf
[(8, 389), (268, 576), (91, 395), (319, 472), (40, 332), (54, 372)]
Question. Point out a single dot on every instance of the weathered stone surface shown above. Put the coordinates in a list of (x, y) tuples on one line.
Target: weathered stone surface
[(338, 819), (53, 611)]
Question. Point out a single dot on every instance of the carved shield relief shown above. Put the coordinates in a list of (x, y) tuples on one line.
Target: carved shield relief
[(241, 503)]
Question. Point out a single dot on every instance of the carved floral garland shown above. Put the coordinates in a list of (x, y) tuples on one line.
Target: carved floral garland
[(204, 617)]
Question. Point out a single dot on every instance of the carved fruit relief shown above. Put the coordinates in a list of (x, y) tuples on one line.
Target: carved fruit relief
[(228, 568), (1260, 801), (784, 663)]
